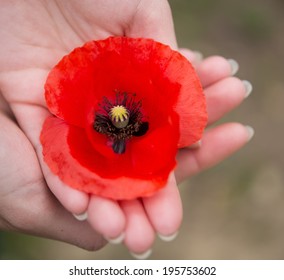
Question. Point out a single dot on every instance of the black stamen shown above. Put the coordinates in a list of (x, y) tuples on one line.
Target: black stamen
[(118, 135), (142, 129), (118, 146)]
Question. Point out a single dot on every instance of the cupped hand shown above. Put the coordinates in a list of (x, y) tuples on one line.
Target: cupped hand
[(26, 203), (35, 35)]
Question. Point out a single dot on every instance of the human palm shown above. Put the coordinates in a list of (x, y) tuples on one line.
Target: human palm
[(35, 35), (26, 204)]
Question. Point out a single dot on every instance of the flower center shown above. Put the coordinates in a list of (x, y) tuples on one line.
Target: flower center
[(119, 116), (120, 120)]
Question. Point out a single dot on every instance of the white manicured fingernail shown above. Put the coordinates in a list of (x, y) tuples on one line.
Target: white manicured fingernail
[(250, 131), (168, 238), (142, 256), (81, 217), (116, 240), (248, 87), (234, 66)]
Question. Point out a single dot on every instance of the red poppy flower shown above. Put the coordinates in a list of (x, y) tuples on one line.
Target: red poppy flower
[(122, 107)]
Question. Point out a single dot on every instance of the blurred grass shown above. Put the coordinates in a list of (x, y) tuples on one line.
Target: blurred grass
[(235, 210)]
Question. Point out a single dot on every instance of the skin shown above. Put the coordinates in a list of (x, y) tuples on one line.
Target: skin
[(34, 36)]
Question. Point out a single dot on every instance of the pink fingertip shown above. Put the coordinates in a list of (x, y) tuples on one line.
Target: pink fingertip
[(107, 218)]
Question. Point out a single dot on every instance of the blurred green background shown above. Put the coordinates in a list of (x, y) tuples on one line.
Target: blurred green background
[(234, 210)]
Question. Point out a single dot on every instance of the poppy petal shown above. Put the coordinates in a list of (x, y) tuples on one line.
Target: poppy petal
[(134, 163), (160, 146), (191, 104), (56, 152), (69, 84)]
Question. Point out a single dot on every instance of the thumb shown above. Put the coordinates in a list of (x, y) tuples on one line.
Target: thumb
[(153, 19)]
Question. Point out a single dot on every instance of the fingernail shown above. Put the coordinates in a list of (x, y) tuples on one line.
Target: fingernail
[(196, 145), (168, 238), (81, 217), (116, 240), (234, 66), (248, 87), (142, 256), (250, 132), (198, 55)]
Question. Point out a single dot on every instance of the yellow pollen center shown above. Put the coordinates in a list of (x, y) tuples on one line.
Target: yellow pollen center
[(119, 116)]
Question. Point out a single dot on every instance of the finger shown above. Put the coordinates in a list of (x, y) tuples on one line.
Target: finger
[(31, 119), (213, 69), (194, 57), (56, 223), (139, 233), (32, 83), (50, 220), (225, 95), (153, 19), (164, 210), (217, 144), (107, 218), (73, 200), (68, 229), (32, 208)]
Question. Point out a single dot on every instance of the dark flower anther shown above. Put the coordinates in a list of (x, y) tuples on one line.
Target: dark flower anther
[(120, 120), (120, 110)]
